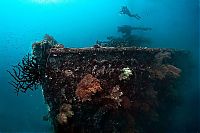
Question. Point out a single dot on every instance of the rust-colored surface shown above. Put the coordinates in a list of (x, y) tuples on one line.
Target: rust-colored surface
[(106, 89), (88, 86), (126, 90)]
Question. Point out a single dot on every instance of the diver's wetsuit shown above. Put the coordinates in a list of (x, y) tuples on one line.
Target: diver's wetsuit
[(126, 11)]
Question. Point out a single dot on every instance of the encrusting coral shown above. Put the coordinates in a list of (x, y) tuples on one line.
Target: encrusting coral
[(116, 94), (161, 70), (167, 70), (88, 86), (126, 72), (96, 90), (65, 113)]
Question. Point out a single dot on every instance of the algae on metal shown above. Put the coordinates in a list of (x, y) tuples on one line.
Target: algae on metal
[(105, 89)]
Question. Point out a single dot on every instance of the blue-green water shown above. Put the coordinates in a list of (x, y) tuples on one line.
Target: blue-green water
[(79, 23)]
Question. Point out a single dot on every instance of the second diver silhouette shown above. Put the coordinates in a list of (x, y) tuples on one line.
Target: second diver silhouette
[(126, 11)]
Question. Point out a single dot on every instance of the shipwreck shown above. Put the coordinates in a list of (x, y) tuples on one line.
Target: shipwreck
[(104, 89)]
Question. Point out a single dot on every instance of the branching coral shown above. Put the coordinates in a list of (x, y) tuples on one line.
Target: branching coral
[(88, 86), (26, 75), (31, 70)]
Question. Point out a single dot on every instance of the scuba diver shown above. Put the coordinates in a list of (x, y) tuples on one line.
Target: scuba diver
[(126, 11)]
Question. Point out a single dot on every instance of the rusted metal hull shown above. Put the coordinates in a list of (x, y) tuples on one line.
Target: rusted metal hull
[(126, 90)]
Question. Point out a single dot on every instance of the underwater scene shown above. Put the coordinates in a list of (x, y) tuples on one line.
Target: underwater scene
[(99, 66)]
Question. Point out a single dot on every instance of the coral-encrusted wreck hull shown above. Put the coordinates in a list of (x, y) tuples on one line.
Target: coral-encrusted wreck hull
[(113, 90)]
